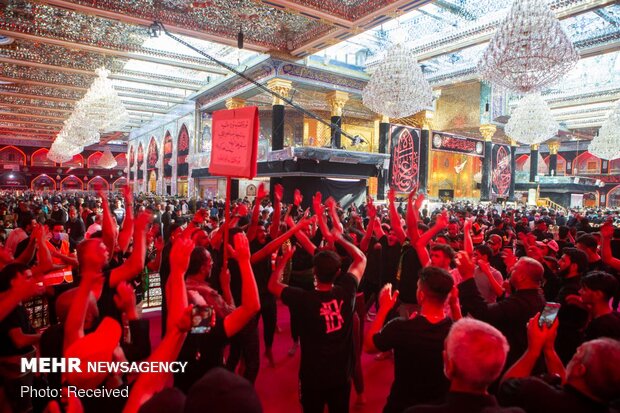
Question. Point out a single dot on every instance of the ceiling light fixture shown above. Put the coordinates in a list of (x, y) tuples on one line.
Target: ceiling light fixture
[(531, 122), (529, 50)]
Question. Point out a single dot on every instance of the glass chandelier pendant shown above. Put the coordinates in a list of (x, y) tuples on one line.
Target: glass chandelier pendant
[(398, 88), (103, 105), (529, 51), (607, 144), (107, 161), (532, 121)]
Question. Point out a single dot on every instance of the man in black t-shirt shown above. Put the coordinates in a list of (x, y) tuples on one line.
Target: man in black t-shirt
[(597, 289), (326, 327), (417, 342)]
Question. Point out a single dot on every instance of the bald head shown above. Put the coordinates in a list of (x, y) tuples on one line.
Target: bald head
[(595, 367), (527, 273), (475, 353)]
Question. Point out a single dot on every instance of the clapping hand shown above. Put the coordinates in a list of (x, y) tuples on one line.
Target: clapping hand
[(297, 198), (278, 192), (387, 299), (262, 192), (465, 265), (241, 251)]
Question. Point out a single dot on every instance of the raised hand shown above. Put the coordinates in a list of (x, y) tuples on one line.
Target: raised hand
[(297, 198), (465, 265), (330, 202), (509, 258), (143, 219), (180, 253), (484, 266), (442, 219), (391, 195), (387, 299), (125, 298), (540, 337), (607, 230), (241, 251), (278, 191), (127, 194), (262, 192)]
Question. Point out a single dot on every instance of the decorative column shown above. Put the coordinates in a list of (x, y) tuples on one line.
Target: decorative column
[(487, 131), (554, 146), (235, 103), (283, 88), (336, 101), (533, 162), (425, 136), (384, 138), (513, 169)]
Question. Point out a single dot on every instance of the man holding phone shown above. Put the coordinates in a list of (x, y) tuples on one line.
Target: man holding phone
[(511, 314)]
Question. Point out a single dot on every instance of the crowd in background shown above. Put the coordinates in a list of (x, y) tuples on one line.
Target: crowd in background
[(453, 293)]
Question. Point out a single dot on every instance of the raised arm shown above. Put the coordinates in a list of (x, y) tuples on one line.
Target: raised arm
[(372, 213), (320, 216), (540, 340), (301, 237), (395, 223), (607, 232), (74, 324), (275, 244), (135, 263), (260, 194), (250, 303), (125, 234), (179, 322), (109, 228), (441, 223), (358, 265), (413, 211), (468, 243), (274, 228), (275, 281), (387, 300)]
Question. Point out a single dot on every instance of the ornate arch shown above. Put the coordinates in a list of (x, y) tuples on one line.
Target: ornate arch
[(76, 162), (19, 157), (182, 152), (93, 160), (168, 149), (70, 183), (98, 181), (39, 158), (586, 163), (43, 182)]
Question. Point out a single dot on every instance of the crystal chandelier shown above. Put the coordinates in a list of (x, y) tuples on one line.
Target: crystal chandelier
[(529, 51), (80, 129), (398, 88), (103, 105), (62, 150), (532, 121), (607, 144), (107, 161)]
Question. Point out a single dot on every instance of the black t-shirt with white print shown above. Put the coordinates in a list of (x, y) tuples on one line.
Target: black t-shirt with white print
[(326, 331)]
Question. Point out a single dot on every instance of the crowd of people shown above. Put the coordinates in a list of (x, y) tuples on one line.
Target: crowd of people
[(457, 296)]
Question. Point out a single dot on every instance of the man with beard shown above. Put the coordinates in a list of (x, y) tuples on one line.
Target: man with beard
[(572, 318), (75, 228)]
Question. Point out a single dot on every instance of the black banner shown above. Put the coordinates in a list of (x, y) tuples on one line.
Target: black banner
[(453, 143), (404, 158), (500, 170)]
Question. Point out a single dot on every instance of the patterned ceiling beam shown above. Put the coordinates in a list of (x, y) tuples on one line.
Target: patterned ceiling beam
[(38, 83), (28, 126), (57, 119), (367, 22), (166, 60), (134, 19), (32, 108), (296, 8), (41, 125), (85, 78)]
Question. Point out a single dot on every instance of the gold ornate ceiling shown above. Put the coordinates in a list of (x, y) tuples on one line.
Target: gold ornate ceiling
[(49, 49)]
